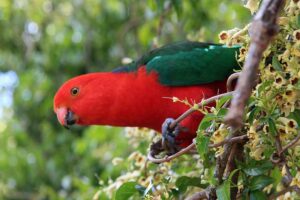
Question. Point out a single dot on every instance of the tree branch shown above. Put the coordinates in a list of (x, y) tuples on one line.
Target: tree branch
[(290, 144), (262, 30), (208, 193)]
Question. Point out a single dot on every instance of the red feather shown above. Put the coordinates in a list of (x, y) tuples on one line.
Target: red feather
[(132, 99)]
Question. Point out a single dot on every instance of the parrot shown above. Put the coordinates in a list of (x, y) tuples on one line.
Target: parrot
[(141, 93)]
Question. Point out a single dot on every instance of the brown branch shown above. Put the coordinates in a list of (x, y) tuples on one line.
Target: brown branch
[(282, 192), (202, 103), (208, 193), (262, 30), (237, 139), (287, 179), (223, 159), (290, 144), (198, 196), (231, 78), (169, 158)]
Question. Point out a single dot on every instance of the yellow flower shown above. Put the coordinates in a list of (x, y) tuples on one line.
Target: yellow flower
[(224, 36), (290, 125), (296, 180), (279, 81), (287, 108), (295, 50), (252, 5), (257, 153), (283, 21), (296, 35), (282, 133), (117, 161), (294, 80), (242, 54), (219, 135)]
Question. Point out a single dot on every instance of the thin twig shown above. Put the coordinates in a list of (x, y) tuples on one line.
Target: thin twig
[(287, 179), (169, 158), (237, 139), (202, 103), (198, 196), (230, 80), (290, 144), (263, 28)]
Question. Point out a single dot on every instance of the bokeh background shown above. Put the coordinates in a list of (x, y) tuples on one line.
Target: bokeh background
[(44, 43)]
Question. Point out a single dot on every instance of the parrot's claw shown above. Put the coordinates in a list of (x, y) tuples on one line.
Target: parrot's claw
[(169, 136)]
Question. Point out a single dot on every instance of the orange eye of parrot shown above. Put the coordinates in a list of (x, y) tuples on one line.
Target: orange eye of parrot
[(74, 91)]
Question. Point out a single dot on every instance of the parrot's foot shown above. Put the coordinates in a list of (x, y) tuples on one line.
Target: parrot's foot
[(169, 136)]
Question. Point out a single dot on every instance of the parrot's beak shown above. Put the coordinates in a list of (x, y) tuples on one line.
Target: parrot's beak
[(66, 117)]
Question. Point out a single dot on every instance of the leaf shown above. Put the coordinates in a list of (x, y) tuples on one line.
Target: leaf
[(160, 5), (126, 191), (252, 114), (276, 175), (264, 85), (184, 181), (222, 112), (298, 21), (140, 189), (223, 191), (258, 169), (257, 194), (205, 122), (272, 127), (259, 182), (202, 143), (222, 101), (276, 64), (177, 4)]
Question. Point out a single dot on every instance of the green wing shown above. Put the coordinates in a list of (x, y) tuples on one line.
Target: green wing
[(188, 63)]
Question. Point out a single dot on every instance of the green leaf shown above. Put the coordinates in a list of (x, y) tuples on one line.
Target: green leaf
[(252, 114), (126, 191), (257, 194), (160, 5), (264, 85), (177, 4), (272, 127), (202, 143), (298, 21), (258, 169), (259, 182), (223, 191), (206, 122), (276, 175), (184, 181), (222, 112), (220, 102), (276, 64)]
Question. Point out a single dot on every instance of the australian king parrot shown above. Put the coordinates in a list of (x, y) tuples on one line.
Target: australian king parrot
[(140, 94)]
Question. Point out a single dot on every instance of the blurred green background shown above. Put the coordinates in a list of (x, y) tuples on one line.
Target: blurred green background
[(44, 43)]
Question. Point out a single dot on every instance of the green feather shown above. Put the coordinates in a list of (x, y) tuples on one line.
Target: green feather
[(188, 63)]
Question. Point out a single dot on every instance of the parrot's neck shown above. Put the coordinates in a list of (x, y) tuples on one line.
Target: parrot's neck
[(138, 99)]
